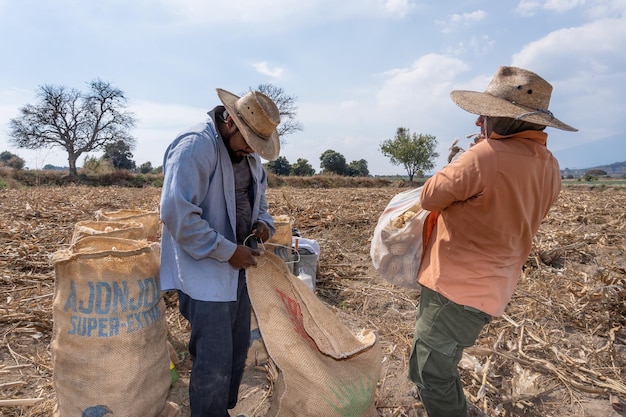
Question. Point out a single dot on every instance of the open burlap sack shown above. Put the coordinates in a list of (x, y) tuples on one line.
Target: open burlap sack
[(149, 219), (126, 230), (324, 369), (109, 346)]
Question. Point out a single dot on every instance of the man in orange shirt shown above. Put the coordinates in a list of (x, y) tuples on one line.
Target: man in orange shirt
[(489, 203)]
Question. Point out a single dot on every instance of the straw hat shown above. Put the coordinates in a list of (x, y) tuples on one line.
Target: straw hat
[(515, 93), (256, 116)]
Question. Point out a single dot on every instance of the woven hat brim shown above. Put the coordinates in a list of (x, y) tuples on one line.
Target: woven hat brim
[(488, 105), (267, 148)]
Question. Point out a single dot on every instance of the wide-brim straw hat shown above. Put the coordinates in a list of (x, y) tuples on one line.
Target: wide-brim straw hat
[(256, 116), (515, 93)]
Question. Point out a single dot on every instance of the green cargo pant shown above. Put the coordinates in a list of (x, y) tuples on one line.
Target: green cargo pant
[(442, 329)]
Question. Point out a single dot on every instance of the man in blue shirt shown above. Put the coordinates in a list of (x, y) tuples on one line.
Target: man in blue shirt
[(214, 208)]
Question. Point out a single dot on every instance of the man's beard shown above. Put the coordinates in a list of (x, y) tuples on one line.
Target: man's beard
[(234, 158)]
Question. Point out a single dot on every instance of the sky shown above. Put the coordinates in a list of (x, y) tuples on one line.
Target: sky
[(359, 69)]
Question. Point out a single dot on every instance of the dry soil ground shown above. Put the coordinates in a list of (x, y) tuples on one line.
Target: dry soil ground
[(560, 349)]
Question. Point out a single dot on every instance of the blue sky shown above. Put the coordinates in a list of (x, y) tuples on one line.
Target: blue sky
[(359, 68)]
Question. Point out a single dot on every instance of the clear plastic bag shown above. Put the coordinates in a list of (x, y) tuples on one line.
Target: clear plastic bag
[(396, 247)]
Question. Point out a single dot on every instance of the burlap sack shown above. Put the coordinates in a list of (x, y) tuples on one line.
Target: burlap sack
[(279, 245), (149, 219), (126, 230), (108, 346), (324, 369)]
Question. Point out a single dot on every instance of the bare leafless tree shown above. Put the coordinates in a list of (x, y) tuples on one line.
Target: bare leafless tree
[(76, 121), (286, 106)]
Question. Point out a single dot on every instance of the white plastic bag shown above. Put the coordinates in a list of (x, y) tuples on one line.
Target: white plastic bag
[(396, 247)]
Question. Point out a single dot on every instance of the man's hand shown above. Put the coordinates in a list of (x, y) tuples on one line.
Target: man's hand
[(454, 150), (261, 230), (244, 257)]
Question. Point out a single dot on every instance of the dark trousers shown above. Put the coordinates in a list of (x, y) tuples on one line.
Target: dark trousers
[(220, 336), (442, 329)]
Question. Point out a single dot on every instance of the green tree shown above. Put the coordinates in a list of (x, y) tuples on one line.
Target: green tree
[(79, 122), (7, 159), (119, 154), (415, 152), (594, 174), (333, 162), (302, 168), (145, 168), (358, 169), (51, 167), (279, 166), (287, 108), (97, 166)]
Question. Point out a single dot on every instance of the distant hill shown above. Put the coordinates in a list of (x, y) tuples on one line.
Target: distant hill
[(617, 170)]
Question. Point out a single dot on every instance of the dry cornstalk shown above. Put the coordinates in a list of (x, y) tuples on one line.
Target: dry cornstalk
[(19, 402)]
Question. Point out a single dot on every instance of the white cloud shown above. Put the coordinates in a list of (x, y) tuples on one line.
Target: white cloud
[(585, 65), (561, 6), (399, 7), (529, 7), (468, 18), (607, 8), (286, 11), (420, 86), (416, 97), (264, 68), (239, 10), (458, 21), (595, 47)]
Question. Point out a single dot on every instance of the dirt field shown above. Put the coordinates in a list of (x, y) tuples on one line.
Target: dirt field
[(560, 349)]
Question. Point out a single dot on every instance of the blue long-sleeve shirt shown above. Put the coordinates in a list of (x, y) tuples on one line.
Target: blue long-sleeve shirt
[(198, 211)]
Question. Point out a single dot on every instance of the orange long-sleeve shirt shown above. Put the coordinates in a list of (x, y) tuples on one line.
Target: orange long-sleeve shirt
[(491, 201)]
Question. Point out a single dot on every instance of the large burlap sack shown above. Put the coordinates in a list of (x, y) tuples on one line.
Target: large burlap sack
[(279, 245), (324, 369), (126, 230), (149, 219), (109, 346)]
